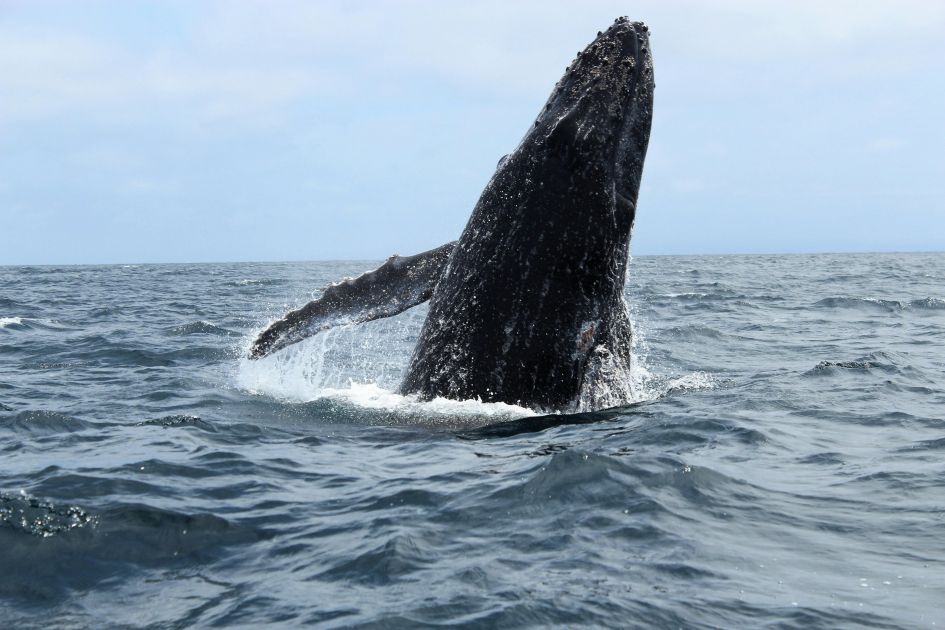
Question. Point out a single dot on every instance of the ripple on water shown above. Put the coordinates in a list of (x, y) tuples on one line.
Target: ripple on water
[(398, 557), (782, 470), (13, 323), (875, 361), (51, 550), (28, 515), (200, 328), (860, 304), (39, 422), (929, 304)]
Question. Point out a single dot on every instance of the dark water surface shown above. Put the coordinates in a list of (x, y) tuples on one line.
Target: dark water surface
[(784, 465)]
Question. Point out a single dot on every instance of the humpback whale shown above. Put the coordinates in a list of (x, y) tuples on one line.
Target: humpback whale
[(527, 307)]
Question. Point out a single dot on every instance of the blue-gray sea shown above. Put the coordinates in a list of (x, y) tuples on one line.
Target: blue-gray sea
[(782, 464)]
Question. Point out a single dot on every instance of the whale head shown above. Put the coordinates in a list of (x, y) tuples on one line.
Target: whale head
[(596, 123), (569, 189)]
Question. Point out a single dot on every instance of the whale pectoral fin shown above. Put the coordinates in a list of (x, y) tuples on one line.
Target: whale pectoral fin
[(395, 286)]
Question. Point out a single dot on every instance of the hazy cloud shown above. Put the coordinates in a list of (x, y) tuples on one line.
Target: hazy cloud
[(389, 116)]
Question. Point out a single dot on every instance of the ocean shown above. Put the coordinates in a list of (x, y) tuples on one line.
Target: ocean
[(781, 464)]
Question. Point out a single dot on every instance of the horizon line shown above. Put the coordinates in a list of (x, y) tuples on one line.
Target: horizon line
[(354, 260)]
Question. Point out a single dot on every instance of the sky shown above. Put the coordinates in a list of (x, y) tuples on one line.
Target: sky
[(182, 131)]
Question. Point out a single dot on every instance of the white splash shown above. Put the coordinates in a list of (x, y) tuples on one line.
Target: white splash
[(693, 381), (10, 321), (303, 377), (360, 365), (372, 396)]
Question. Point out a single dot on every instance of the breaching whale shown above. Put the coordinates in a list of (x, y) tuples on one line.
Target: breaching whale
[(527, 307)]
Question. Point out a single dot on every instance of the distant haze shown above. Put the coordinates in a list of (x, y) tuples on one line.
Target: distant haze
[(236, 130)]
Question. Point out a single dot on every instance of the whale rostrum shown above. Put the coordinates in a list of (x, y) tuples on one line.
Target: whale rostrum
[(527, 307)]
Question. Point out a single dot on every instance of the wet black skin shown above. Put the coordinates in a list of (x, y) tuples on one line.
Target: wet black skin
[(535, 284), (527, 307)]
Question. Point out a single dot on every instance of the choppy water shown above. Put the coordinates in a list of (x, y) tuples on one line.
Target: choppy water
[(785, 466)]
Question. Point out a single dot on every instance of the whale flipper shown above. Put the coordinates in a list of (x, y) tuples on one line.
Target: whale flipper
[(395, 286)]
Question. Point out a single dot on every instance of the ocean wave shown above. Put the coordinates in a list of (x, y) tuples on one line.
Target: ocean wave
[(253, 282), (200, 328), (827, 458), (400, 556), (113, 354), (890, 481), (695, 381), (105, 312), (148, 533), (689, 295), (853, 365), (859, 303), (652, 488), (201, 353), (16, 323), (28, 515), (693, 331), (32, 323), (115, 350), (58, 483), (929, 303), (714, 295), (42, 421), (937, 444), (179, 421), (696, 433), (818, 428), (881, 361), (52, 550), (576, 478)]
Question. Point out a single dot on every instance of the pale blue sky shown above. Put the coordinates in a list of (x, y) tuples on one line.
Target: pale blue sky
[(236, 130)]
